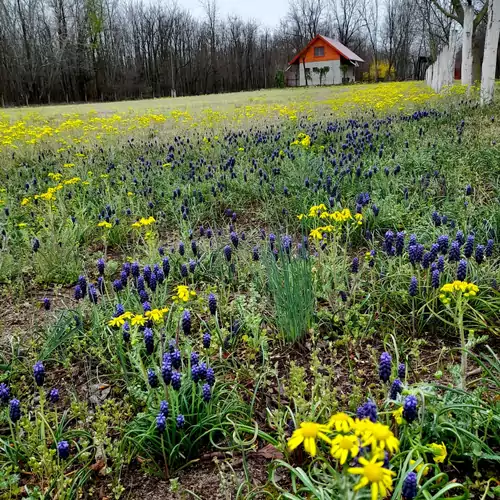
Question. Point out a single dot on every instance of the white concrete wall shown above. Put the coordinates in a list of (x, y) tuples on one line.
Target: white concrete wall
[(333, 77)]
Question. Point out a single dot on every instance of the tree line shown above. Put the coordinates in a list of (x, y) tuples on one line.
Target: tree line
[(90, 50)]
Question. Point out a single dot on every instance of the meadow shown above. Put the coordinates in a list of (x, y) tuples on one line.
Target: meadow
[(276, 294)]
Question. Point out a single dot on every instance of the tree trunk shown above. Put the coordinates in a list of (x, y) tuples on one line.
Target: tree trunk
[(477, 52), (468, 28), (490, 53)]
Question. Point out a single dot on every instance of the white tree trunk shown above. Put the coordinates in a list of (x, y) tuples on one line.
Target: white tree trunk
[(467, 44), (490, 53), (449, 55)]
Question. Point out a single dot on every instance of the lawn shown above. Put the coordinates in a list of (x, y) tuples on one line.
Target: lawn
[(276, 294)]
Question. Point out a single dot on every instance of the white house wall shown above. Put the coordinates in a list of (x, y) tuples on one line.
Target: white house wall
[(333, 77)]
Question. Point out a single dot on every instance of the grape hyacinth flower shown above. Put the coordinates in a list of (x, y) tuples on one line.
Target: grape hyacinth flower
[(355, 265), (141, 285), (367, 410), (164, 408), (400, 242), (468, 190), (410, 410), (117, 286), (35, 245), (402, 370), (147, 272), (413, 288), (195, 373), (93, 294), (454, 255), (119, 310), (46, 303), (4, 393), (255, 254), (488, 251), (100, 266), (78, 293), (149, 340), (410, 486), (166, 369), (210, 377), (175, 356), (14, 410), (176, 380), (212, 304), (143, 295), (186, 322), (134, 269), (161, 423), (440, 264), (460, 238), (146, 306), (412, 240), (389, 240), (53, 395), (180, 421), (443, 242), (192, 266), (182, 249), (194, 248), (195, 358), (469, 246), (479, 255), (184, 270), (462, 270), (82, 281), (227, 253), (234, 239), (63, 450), (202, 370), (166, 266), (413, 254), (384, 367), (152, 378), (39, 373), (206, 340), (126, 331), (436, 219), (396, 388), (207, 393), (435, 278)]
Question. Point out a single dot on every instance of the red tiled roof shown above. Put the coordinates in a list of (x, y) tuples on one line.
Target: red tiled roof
[(340, 48)]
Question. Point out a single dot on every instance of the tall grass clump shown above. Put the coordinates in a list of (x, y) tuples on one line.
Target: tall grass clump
[(291, 287)]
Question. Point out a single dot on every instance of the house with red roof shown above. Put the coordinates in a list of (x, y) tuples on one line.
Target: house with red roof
[(323, 61)]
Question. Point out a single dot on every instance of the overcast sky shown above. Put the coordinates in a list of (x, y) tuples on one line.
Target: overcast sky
[(266, 12)]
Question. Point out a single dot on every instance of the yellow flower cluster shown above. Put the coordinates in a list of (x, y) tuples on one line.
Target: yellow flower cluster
[(144, 222), (303, 140), (155, 315), (183, 293), (346, 436), (339, 218), (466, 289)]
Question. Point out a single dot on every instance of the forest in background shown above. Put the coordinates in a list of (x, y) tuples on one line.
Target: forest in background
[(103, 50)]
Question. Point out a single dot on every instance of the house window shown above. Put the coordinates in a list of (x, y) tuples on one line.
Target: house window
[(319, 51)]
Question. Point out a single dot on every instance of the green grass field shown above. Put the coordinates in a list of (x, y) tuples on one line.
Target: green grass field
[(276, 294)]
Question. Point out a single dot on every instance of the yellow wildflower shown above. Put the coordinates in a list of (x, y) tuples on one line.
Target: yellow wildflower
[(25, 201), (342, 446), (116, 322), (380, 436), (419, 467), (155, 315), (398, 415), (439, 451), (307, 434), (341, 422), (105, 224), (138, 320), (374, 473)]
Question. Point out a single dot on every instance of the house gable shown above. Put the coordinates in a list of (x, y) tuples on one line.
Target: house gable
[(319, 51), (326, 50)]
